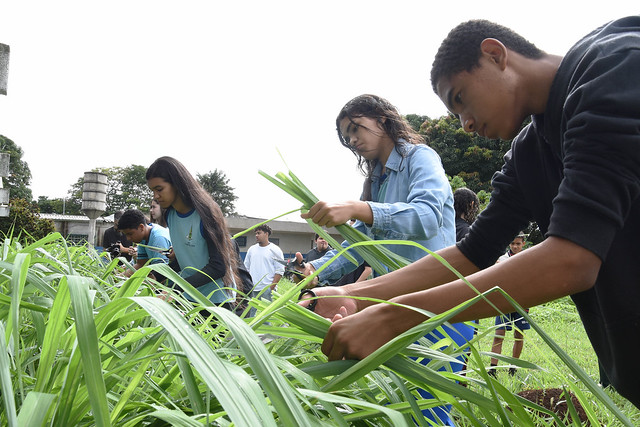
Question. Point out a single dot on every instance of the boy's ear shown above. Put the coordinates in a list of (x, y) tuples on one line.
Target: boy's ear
[(495, 51)]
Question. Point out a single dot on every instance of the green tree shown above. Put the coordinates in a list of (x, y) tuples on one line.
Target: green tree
[(473, 158), (126, 188), (416, 121), (19, 177), (217, 184), (23, 221), (59, 205)]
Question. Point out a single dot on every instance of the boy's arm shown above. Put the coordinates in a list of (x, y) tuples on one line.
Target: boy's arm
[(426, 272), (550, 270)]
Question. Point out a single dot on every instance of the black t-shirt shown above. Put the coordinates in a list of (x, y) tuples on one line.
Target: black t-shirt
[(575, 170), (112, 236), (462, 228), (314, 254)]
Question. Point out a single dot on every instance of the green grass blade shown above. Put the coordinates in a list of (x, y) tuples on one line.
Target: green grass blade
[(282, 186), (88, 344), (8, 398), (235, 236), (34, 409), (7, 300), (175, 418), (56, 324), (143, 357), (18, 280), (395, 417), (277, 388), (191, 385), (303, 189), (207, 363)]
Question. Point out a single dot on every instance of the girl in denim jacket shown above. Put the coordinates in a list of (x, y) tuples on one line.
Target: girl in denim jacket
[(406, 196)]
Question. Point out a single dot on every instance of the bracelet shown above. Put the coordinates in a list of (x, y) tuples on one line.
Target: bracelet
[(313, 303)]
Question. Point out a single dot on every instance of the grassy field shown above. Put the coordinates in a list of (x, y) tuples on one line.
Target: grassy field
[(560, 320), (84, 346)]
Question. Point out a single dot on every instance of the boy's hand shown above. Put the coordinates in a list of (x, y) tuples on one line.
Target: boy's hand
[(359, 335)]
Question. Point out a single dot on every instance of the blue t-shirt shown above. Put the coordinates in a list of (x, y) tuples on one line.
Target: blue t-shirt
[(159, 238), (192, 252)]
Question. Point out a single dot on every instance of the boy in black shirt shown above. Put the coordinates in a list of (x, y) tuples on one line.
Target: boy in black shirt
[(575, 170), (113, 236)]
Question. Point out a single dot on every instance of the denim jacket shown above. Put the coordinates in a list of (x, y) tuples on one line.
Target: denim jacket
[(415, 203)]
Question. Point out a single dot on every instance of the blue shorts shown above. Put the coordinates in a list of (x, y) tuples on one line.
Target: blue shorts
[(512, 319)]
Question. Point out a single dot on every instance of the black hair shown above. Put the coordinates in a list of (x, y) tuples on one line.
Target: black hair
[(195, 196), (460, 50), (131, 219), (466, 204), (522, 236), (264, 228), (389, 119)]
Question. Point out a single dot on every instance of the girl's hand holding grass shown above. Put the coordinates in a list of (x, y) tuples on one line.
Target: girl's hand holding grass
[(331, 214)]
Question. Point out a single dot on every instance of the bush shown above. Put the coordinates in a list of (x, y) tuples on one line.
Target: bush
[(24, 223)]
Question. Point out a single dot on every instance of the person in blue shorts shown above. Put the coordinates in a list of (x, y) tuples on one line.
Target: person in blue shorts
[(510, 320)]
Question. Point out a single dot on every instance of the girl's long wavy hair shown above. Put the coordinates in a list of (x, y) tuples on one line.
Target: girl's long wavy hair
[(387, 116), (195, 196)]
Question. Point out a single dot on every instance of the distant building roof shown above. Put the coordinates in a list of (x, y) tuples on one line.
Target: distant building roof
[(235, 221), (61, 217)]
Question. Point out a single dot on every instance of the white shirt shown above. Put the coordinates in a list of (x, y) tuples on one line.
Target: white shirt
[(262, 266)]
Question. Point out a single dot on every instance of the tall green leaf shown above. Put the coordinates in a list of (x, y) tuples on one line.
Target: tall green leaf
[(88, 344), (8, 399)]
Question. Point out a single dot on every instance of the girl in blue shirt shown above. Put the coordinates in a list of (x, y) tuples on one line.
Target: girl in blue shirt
[(204, 252), (406, 196)]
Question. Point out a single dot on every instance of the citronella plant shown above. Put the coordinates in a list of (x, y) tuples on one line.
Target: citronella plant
[(83, 346), (384, 260), (380, 258)]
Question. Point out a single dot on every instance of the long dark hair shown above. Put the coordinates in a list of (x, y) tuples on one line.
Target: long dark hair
[(387, 116), (160, 221), (195, 196)]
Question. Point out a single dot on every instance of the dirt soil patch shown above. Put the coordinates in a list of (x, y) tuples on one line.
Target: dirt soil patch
[(555, 400)]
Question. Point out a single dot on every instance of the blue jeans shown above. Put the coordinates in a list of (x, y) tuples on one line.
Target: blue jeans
[(461, 334), (264, 294)]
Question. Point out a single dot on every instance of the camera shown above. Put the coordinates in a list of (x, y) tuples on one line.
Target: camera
[(114, 249)]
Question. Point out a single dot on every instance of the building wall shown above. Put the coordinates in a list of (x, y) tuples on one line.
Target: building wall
[(290, 236)]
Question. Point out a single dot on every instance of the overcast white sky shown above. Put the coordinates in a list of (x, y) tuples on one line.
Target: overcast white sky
[(222, 85)]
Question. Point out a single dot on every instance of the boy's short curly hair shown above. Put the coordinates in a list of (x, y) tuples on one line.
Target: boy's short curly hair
[(460, 50), (264, 228), (131, 219)]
